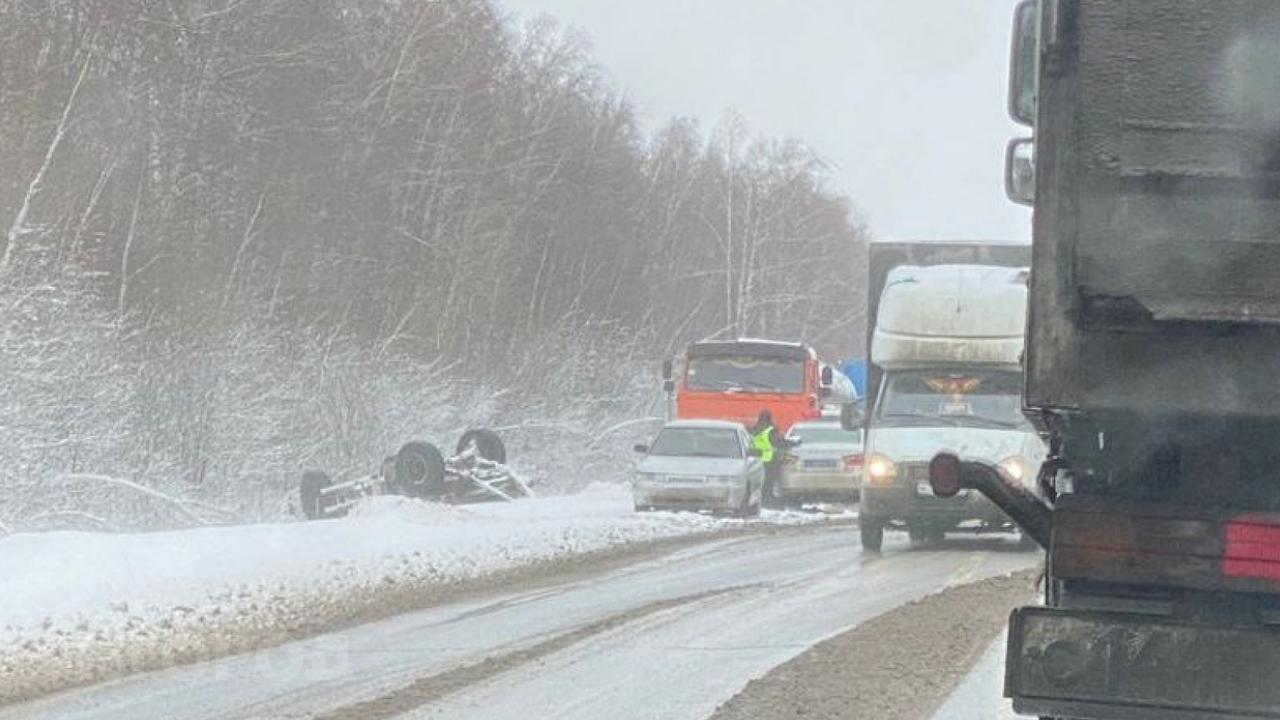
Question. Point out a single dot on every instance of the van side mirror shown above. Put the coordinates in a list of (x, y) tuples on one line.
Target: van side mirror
[(1024, 63), (852, 417), (641, 448), (1020, 171)]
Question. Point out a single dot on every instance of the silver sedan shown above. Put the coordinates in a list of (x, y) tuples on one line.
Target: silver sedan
[(825, 465), (700, 465)]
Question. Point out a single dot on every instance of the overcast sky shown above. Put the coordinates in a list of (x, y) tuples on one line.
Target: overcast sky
[(905, 97)]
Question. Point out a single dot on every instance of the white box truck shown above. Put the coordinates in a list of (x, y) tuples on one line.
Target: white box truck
[(947, 345)]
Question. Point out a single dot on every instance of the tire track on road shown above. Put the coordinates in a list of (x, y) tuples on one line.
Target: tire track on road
[(431, 688)]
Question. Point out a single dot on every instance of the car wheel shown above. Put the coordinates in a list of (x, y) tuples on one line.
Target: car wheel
[(420, 471), (744, 508), (871, 531), (487, 443)]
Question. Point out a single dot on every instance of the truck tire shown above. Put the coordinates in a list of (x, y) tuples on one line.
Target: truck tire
[(488, 445), (309, 497), (872, 532), (419, 471)]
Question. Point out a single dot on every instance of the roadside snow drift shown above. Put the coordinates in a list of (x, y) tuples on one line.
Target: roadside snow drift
[(83, 607)]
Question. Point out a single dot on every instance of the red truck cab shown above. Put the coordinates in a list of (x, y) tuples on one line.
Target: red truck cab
[(734, 380)]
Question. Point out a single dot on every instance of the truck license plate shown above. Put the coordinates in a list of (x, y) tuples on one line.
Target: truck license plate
[(1112, 666), (924, 489)]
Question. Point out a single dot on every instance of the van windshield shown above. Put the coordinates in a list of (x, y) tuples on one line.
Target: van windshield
[(746, 374), (973, 398)]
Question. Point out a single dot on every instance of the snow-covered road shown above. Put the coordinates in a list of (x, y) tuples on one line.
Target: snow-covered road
[(981, 695), (81, 607), (69, 577), (667, 637)]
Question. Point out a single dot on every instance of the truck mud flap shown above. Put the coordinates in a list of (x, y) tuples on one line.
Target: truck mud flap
[(1111, 666)]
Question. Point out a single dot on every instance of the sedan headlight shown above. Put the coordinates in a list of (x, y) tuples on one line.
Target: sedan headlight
[(880, 469), (1014, 468)]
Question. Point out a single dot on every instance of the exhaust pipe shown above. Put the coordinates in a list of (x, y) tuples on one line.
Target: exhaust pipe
[(948, 475)]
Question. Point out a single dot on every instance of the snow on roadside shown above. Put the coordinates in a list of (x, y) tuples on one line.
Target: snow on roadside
[(82, 607)]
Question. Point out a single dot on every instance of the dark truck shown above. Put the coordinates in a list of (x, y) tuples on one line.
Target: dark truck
[(1152, 359)]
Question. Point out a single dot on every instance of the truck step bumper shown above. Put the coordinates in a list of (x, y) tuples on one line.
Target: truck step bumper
[(1112, 666)]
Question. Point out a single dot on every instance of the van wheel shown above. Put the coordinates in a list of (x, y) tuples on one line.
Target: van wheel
[(872, 532)]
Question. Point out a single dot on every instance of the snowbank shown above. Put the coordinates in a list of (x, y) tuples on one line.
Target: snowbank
[(81, 601)]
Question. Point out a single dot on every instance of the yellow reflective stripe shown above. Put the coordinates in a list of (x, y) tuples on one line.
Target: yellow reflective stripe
[(763, 442)]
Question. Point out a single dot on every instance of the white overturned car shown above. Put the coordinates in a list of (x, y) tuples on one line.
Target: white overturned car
[(700, 465)]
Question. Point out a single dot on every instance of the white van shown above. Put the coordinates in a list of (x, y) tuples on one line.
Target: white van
[(948, 339)]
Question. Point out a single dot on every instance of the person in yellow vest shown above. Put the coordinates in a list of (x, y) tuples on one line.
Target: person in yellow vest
[(769, 443)]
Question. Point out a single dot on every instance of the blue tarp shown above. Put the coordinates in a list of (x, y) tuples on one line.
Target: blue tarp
[(856, 370)]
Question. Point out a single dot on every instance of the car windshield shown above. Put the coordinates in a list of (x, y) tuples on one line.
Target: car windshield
[(973, 398), (826, 435), (746, 374), (697, 442)]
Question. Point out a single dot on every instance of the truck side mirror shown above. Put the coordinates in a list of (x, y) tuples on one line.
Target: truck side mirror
[(1020, 171), (828, 376), (668, 372), (1024, 63)]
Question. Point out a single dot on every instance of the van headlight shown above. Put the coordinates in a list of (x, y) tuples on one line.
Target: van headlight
[(1014, 468), (880, 469)]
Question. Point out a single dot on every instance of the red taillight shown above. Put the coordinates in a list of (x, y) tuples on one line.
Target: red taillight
[(853, 462), (1253, 547)]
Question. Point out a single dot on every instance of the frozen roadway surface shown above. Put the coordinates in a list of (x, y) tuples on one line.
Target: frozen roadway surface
[(980, 696), (669, 637)]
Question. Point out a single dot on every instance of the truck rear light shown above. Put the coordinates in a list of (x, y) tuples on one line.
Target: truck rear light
[(853, 462), (1140, 542), (1253, 547)]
